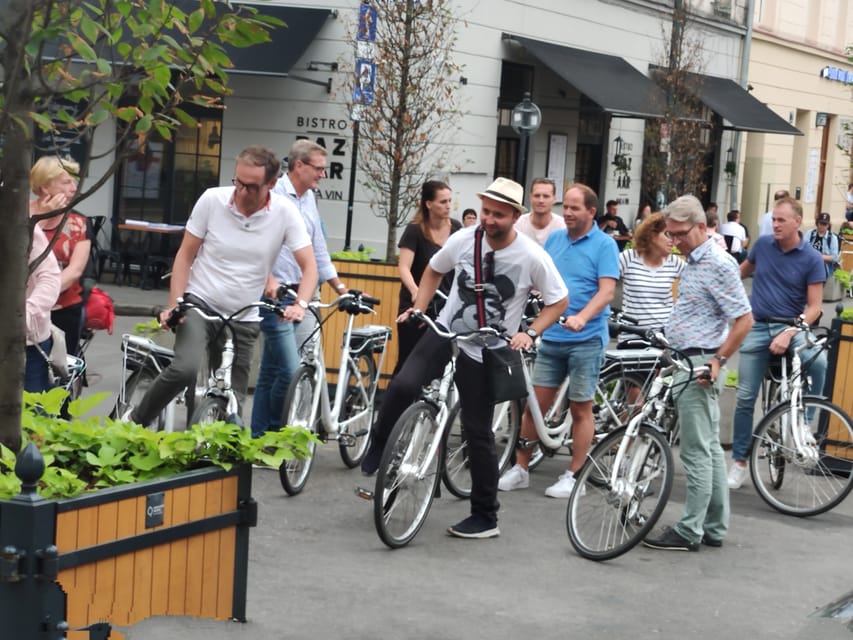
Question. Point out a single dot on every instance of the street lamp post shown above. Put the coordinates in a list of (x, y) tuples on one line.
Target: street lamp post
[(525, 120)]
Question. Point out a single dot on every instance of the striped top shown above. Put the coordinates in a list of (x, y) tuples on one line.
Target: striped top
[(647, 291)]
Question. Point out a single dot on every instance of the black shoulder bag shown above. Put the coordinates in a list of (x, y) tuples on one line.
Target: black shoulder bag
[(503, 367)]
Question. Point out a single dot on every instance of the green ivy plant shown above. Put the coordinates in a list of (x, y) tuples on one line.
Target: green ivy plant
[(83, 454), (359, 255), (843, 277)]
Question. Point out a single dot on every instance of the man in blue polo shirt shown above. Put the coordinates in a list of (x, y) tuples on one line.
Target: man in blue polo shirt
[(588, 262), (788, 277)]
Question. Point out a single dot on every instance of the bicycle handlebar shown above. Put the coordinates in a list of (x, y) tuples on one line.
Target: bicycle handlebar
[(353, 301), (483, 332), (206, 313)]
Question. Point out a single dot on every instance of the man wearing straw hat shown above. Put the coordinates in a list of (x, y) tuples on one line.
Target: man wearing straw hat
[(516, 264)]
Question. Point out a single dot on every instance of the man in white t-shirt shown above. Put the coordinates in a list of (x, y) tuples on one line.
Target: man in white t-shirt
[(232, 239), (512, 265), (541, 221), (734, 230)]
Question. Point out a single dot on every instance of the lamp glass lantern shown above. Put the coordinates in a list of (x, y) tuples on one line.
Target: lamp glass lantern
[(525, 120)]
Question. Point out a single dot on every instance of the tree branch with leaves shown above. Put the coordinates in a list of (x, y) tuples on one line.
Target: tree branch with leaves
[(403, 134), (74, 66)]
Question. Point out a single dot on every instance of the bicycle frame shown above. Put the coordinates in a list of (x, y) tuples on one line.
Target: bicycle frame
[(330, 411), (796, 427)]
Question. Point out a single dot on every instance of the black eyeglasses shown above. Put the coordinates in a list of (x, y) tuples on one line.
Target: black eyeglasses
[(319, 168), (489, 267), (679, 235), (251, 188)]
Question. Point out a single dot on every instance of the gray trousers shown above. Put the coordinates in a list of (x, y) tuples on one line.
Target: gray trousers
[(194, 337)]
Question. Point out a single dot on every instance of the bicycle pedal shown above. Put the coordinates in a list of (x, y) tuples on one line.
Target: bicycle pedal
[(365, 494)]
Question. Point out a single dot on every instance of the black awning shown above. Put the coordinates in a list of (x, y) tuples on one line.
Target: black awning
[(738, 108), (273, 58), (609, 81), (286, 46)]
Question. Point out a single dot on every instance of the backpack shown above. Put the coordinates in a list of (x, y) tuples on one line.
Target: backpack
[(100, 313)]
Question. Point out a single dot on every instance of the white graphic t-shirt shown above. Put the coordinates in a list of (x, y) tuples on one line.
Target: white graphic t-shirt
[(509, 274)]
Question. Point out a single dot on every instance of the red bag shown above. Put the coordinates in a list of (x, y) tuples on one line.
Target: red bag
[(100, 313)]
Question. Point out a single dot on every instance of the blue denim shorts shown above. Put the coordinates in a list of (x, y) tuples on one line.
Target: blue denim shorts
[(580, 360)]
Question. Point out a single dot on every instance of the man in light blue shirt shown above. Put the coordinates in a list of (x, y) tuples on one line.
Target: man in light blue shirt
[(306, 164), (588, 262)]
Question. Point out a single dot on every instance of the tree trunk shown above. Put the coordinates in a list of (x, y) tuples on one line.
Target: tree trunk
[(15, 241)]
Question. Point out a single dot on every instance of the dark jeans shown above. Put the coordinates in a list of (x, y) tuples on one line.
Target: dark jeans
[(36, 376), (425, 363)]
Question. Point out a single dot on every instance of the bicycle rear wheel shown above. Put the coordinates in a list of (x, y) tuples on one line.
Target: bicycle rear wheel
[(408, 476), (357, 401), (618, 398), (506, 423), (210, 410), (298, 412), (135, 388), (814, 479), (606, 520)]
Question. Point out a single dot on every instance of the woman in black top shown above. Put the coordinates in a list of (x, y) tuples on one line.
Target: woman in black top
[(422, 238)]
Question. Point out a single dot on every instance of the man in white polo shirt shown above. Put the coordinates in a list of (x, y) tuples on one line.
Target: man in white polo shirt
[(232, 239)]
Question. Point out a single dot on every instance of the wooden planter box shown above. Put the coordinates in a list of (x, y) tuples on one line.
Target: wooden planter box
[(839, 379), (177, 546), (380, 280)]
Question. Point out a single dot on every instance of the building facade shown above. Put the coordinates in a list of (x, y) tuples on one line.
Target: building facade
[(798, 64), (587, 65)]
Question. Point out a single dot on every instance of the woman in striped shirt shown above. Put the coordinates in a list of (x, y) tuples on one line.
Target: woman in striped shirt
[(648, 272)]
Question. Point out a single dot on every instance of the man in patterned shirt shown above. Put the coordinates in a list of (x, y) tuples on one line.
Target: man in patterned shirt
[(710, 295)]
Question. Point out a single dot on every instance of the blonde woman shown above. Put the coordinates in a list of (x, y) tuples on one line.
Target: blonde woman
[(53, 181)]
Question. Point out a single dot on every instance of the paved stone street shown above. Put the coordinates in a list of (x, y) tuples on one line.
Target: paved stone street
[(318, 569)]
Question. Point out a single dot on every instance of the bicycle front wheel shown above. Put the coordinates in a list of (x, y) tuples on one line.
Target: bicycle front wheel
[(606, 519), (506, 423), (408, 476), (299, 412), (358, 402), (813, 479)]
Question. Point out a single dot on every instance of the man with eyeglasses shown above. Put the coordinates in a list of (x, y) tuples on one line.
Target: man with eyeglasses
[(710, 297), (588, 261), (230, 244), (512, 265), (306, 165), (788, 275)]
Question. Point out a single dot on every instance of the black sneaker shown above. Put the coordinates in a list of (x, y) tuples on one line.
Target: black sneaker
[(475, 526), (671, 541), (708, 541)]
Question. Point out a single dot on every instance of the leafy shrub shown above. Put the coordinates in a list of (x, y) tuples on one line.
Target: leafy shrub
[(83, 454)]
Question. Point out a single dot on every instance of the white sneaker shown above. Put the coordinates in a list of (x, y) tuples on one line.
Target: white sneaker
[(737, 475), (516, 478), (563, 487)]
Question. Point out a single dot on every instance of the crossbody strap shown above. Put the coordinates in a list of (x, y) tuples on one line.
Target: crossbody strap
[(478, 276)]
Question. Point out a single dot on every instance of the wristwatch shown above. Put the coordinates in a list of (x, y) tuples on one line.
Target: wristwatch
[(532, 333), (721, 359), (302, 304)]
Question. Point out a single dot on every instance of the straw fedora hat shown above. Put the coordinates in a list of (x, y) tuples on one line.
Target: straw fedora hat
[(506, 190)]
